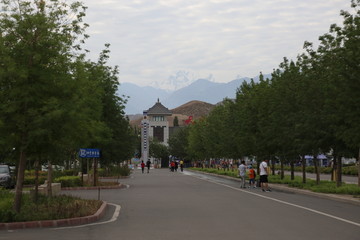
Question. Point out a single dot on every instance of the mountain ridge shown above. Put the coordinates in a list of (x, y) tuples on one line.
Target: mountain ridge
[(142, 98), (195, 109)]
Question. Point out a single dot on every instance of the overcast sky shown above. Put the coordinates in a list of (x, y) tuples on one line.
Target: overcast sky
[(152, 40)]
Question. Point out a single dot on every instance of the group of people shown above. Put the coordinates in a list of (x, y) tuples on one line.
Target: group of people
[(264, 172), (174, 165), (148, 164)]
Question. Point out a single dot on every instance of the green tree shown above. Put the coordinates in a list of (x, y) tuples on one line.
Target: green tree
[(197, 140), (158, 150), (119, 144), (37, 44), (176, 121), (178, 143)]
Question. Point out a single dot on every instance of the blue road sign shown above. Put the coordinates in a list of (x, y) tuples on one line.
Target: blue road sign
[(89, 153)]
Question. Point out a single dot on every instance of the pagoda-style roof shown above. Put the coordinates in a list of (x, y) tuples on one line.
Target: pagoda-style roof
[(159, 109)]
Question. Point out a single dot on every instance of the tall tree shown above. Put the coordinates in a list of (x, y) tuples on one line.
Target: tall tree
[(38, 41), (178, 143)]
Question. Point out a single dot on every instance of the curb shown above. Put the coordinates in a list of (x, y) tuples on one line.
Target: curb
[(56, 223), (342, 198), (95, 187)]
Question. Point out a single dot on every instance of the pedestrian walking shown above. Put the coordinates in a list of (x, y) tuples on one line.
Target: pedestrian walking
[(264, 172), (252, 176), (176, 166), (148, 163), (242, 174), (172, 166), (142, 166), (181, 165)]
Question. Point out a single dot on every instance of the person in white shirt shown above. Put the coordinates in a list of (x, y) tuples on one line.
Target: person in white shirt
[(264, 176), (242, 174)]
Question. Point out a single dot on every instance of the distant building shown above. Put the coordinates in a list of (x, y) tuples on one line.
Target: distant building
[(159, 124), (155, 125)]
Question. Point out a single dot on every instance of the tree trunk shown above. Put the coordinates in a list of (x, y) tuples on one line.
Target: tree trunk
[(273, 166), (339, 172), (334, 167), (20, 181), (49, 180), (317, 171), (303, 163), (292, 169), (359, 168), (95, 170), (36, 191), (281, 169)]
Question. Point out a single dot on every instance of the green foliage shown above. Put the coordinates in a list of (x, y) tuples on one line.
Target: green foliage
[(230, 173), (309, 106), (70, 172), (178, 143), (6, 203), (158, 150), (347, 170), (30, 180), (57, 207), (350, 170), (69, 181), (53, 101), (113, 171), (176, 121), (32, 173), (121, 171)]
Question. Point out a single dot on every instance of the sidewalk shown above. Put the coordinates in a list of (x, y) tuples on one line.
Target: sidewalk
[(282, 187)]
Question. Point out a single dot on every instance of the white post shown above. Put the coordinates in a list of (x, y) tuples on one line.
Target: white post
[(145, 138)]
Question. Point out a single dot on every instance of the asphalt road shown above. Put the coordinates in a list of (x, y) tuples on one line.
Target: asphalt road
[(170, 206)]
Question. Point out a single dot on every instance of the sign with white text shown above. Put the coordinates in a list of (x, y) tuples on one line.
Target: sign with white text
[(89, 153)]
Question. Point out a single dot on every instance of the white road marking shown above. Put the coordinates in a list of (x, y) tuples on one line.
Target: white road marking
[(280, 201), (113, 218)]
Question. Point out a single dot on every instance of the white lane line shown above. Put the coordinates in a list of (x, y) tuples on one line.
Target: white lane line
[(280, 201), (113, 218)]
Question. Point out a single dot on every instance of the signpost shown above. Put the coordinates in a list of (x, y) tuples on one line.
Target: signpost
[(93, 153), (89, 153)]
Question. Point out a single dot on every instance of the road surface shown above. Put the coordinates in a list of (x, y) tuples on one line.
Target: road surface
[(170, 206)]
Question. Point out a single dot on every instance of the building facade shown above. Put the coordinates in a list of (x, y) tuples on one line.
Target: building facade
[(155, 126)]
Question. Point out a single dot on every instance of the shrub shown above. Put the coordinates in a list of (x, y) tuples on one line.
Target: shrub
[(350, 170), (30, 180), (6, 202), (69, 181), (113, 171), (56, 207), (70, 172), (32, 173)]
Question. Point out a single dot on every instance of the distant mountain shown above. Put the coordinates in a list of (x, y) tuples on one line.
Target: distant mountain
[(196, 109), (175, 82), (142, 98)]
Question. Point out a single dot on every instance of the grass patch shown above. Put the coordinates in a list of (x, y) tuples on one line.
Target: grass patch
[(323, 187), (57, 207)]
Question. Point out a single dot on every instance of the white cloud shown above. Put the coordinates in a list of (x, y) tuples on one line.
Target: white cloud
[(152, 40)]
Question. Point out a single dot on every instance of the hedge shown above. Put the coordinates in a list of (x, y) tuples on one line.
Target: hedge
[(69, 181)]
